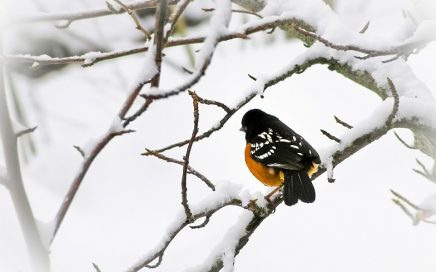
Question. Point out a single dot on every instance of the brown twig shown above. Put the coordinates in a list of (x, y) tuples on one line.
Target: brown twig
[(205, 222), (330, 136), (403, 208), (186, 158), (180, 7), (191, 170), (25, 131), (396, 103), (405, 200), (236, 11), (339, 121), (138, 113), (81, 15), (80, 150), (135, 19), (212, 102), (158, 41), (404, 142)]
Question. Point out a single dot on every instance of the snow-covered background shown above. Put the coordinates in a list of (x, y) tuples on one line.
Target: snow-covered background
[(127, 202)]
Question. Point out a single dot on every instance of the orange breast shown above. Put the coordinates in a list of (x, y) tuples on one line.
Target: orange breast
[(267, 175)]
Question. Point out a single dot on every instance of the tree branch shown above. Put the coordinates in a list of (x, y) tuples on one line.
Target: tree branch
[(191, 170), (186, 159), (88, 14)]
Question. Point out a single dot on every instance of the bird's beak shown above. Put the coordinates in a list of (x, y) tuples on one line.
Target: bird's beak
[(242, 129)]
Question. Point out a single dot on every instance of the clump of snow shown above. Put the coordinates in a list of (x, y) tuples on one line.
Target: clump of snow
[(226, 249), (218, 27), (428, 207), (149, 67), (425, 32), (327, 162), (90, 57), (117, 125), (35, 64)]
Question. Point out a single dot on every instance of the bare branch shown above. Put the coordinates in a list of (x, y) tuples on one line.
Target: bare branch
[(330, 136), (191, 170), (205, 222), (138, 113), (212, 102), (172, 20), (135, 19), (236, 11), (396, 103), (404, 142), (25, 131), (365, 28), (403, 208), (81, 15), (186, 158), (158, 41), (80, 150), (405, 200), (339, 121)]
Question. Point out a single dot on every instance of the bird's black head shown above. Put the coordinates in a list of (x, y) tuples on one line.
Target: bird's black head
[(252, 123)]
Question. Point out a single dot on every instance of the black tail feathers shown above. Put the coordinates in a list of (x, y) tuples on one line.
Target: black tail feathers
[(298, 186)]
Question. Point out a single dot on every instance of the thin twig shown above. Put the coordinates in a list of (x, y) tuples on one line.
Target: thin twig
[(186, 158), (25, 131), (135, 19), (365, 28), (330, 136), (403, 208), (172, 20), (138, 113), (236, 11), (212, 102), (205, 222), (158, 41), (423, 167), (404, 142), (339, 121), (81, 15), (405, 200), (396, 103), (191, 170), (80, 150)]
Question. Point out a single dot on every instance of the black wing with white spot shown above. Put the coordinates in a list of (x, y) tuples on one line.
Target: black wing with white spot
[(282, 148)]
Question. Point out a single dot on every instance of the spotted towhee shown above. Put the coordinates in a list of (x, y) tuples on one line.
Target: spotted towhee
[(277, 156)]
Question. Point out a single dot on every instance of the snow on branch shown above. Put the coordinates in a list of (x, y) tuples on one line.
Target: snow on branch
[(226, 194)]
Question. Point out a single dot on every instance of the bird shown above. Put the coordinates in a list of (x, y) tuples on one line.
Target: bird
[(278, 156)]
